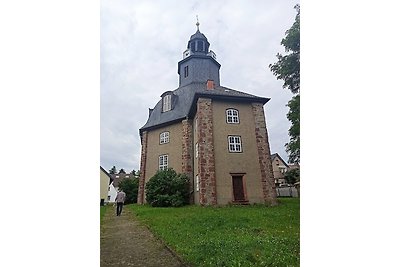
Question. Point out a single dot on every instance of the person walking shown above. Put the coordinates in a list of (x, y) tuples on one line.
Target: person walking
[(120, 199)]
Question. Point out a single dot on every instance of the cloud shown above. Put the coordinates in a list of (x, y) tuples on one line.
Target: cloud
[(141, 43)]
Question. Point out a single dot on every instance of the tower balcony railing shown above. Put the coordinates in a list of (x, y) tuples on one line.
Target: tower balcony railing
[(212, 54), (187, 53)]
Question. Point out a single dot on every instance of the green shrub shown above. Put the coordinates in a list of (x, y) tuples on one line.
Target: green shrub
[(167, 188), (130, 187)]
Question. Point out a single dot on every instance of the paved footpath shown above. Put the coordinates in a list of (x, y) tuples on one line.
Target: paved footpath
[(124, 241)]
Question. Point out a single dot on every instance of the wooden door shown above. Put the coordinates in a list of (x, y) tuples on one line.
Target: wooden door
[(238, 191)]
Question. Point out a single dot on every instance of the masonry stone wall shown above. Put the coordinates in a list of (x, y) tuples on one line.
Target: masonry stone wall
[(243, 163), (187, 153), (264, 154), (142, 177), (206, 159)]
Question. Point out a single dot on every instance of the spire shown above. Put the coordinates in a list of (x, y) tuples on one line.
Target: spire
[(197, 24)]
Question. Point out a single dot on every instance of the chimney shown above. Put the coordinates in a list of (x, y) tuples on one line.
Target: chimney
[(210, 84), (150, 111)]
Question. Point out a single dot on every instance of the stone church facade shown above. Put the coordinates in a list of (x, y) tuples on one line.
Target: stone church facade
[(214, 134)]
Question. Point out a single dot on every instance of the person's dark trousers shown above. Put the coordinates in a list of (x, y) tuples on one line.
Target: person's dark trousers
[(119, 208)]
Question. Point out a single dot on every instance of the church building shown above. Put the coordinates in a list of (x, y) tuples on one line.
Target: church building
[(214, 134)]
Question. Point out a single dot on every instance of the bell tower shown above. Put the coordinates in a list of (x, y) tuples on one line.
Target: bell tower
[(199, 64)]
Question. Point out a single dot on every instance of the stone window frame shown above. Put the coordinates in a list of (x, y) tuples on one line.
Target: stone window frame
[(163, 162), (164, 138), (231, 117), (235, 144)]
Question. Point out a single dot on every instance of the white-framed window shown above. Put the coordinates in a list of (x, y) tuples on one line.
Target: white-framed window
[(197, 150), (197, 183), (164, 137), (235, 143), (167, 103), (232, 115), (163, 162)]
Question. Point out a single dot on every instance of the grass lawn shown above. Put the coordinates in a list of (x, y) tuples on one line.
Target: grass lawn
[(102, 212), (253, 235)]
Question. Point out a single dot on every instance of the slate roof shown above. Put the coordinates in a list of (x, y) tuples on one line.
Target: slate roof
[(121, 176), (199, 35), (184, 103)]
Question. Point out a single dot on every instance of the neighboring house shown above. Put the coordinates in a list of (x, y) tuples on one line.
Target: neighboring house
[(114, 184), (279, 167), (104, 182), (117, 178), (214, 134), (112, 193)]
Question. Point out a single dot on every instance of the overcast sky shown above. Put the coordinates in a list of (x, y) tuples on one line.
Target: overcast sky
[(142, 42)]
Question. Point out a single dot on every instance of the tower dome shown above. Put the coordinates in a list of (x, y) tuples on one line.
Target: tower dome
[(198, 63), (198, 43)]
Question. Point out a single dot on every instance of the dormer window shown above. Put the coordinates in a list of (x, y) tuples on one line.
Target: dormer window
[(167, 103)]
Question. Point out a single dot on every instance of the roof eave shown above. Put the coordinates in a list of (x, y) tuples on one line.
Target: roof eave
[(152, 127), (193, 106)]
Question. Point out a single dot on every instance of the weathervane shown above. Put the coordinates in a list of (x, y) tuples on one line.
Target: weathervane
[(197, 24)]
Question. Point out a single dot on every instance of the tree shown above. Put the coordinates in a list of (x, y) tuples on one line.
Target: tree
[(122, 171), (130, 187), (113, 170), (292, 176), (287, 68), (167, 188), (293, 147)]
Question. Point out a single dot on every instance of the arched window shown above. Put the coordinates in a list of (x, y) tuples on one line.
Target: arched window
[(232, 116), (164, 137), (200, 46)]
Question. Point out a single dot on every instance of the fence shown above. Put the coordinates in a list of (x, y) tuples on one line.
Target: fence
[(289, 191)]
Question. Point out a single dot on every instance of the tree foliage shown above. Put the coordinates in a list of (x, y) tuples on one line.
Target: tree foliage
[(293, 147), (130, 187), (167, 188), (292, 176), (287, 68)]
